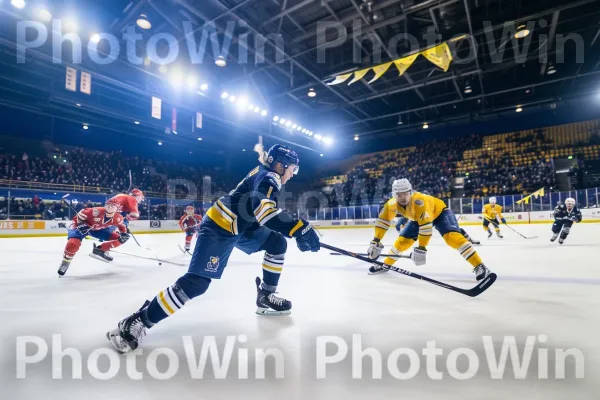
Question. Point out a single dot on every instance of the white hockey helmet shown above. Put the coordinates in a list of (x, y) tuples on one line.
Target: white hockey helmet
[(570, 203), (401, 186), (492, 200)]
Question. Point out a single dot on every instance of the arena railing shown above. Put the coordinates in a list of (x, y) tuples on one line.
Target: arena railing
[(585, 198)]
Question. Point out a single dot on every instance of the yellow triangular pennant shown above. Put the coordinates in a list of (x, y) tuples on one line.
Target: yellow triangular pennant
[(439, 55), (340, 79), (358, 75), (380, 70), (404, 63)]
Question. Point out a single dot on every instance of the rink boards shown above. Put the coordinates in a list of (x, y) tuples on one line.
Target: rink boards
[(59, 228)]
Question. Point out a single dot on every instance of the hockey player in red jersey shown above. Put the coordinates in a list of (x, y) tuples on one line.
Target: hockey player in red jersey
[(100, 222), (127, 204), (190, 223)]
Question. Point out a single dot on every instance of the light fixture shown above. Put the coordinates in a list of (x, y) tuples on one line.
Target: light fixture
[(43, 14), (312, 93), (356, 137), (276, 118), (321, 154), (570, 157), (199, 139), (64, 160), (304, 130), (143, 22), (425, 125), (294, 126), (204, 87), (288, 124), (192, 81), (256, 109), (78, 105), (221, 62), (521, 32), (232, 98), (242, 104), (551, 70), (20, 4), (327, 140), (400, 122), (263, 113), (54, 156), (243, 149), (299, 128), (160, 143), (318, 137), (282, 121), (310, 133), (95, 38), (85, 127), (137, 122), (224, 95), (528, 91), (468, 89), (519, 109)]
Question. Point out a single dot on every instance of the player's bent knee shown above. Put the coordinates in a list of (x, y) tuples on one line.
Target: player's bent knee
[(189, 286), (275, 244), (403, 243), (454, 239)]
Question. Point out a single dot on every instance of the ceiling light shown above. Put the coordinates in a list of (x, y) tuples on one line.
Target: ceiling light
[(232, 99), (43, 14), (220, 61), (304, 130), (321, 154), (256, 109), (294, 126), (521, 32), (95, 38), (199, 139), (551, 70), (276, 118), (263, 113), (78, 105), (137, 122), (310, 133), (327, 140), (243, 149), (425, 125), (85, 127), (143, 22), (282, 121), (299, 128), (288, 124), (519, 109), (224, 95), (204, 87), (160, 143), (312, 93), (356, 137), (318, 137), (468, 89), (20, 4), (400, 122), (192, 81)]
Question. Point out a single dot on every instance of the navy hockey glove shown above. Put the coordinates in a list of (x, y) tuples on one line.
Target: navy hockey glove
[(307, 239), (124, 237), (503, 220)]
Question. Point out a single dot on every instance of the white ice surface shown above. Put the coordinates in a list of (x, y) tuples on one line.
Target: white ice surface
[(542, 289)]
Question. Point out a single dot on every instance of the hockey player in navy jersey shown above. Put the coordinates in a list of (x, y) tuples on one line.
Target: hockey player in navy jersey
[(564, 216), (247, 218)]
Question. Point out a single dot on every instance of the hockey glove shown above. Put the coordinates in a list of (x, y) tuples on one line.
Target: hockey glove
[(307, 239), (124, 237), (374, 250), (419, 255), (503, 221), (84, 229)]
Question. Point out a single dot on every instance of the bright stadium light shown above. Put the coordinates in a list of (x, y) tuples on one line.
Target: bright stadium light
[(143, 22), (304, 130), (294, 126), (232, 99), (95, 38), (321, 154), (224, 95), (282, 121), (425, 125), (276, 118), (519, 109), (199, 139), (20, 4), (356, 137), (160, 143), (327, 140), (43, 14), (256, 109), (288, 124), (204, 87), (263, 113), (86, 127), (299, 128), (318, 137), (242, 104), (221, 62), (137, 122)]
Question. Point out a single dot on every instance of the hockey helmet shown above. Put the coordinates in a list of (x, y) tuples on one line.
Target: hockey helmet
[(111, 208), (189, 210), (138, 195), (570, 203), (284, 155), (401, 186), (492, 200)]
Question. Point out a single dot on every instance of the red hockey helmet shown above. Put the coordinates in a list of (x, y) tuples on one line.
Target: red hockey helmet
[(138, 194), (190, 210)]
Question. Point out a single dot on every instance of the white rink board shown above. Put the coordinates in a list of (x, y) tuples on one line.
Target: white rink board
[(543, 289)]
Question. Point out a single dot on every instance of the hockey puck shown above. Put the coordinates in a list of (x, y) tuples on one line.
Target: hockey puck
[(159, 263)]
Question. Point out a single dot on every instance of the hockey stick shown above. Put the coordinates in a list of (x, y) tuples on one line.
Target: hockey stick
[(143, 247), (130, 183), (382, 255), (474, 292), (149, 258), (523, 236)]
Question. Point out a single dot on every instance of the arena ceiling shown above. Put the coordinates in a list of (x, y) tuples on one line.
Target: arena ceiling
[(280, 50)]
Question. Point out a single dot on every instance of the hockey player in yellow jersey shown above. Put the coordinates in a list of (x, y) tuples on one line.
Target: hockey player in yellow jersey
[(492, 212), (424, 212)]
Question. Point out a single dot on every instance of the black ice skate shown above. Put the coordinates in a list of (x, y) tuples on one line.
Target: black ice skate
[(376, 269), (64, 266), (554, 236), (489, 234), (481, 271), (269, 304), (499, 235), (475, 242), (561, 240), (128, 335), (101, 255)]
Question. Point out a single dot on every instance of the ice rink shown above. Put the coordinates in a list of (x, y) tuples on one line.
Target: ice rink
[(546, 292)]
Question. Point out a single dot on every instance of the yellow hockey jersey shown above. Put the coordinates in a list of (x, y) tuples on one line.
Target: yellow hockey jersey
[(422, 209), (492, 212)]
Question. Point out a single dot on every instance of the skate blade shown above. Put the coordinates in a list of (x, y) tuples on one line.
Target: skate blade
[(117, 342), (269, 312), (383, 271), (62, 271), (98, 258)]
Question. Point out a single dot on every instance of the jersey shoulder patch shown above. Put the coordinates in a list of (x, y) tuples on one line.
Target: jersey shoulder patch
[(419, 202), (275, 178)]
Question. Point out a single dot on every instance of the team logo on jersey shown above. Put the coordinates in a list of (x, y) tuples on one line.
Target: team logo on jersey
[(419, 202), (97, 219), (213, 264), (425, 215), (95, 212)]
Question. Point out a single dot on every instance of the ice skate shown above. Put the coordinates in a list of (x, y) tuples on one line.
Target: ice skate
[(376, 269), (98, 254), (475, 242), (128, 335), (64, 266), (481, 271), (269, 304), (499, 235), (561, 240), (554, 236), (489, 234)]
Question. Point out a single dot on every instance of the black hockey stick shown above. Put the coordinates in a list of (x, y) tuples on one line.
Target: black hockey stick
[(523, 236), (130, 183), (474, 292), (382, 255), (150, 258)]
